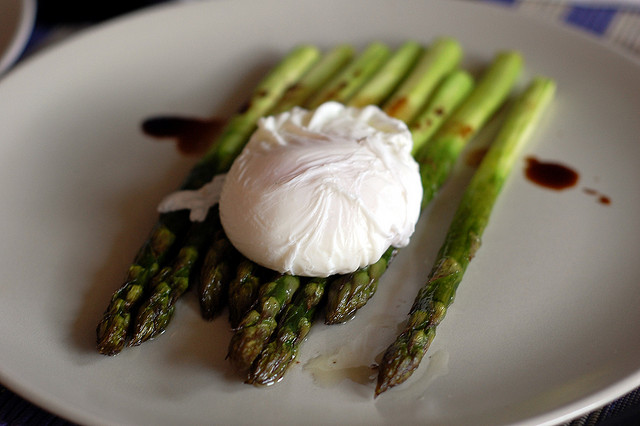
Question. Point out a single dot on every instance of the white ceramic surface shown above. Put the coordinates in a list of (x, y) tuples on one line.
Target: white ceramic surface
[(542, 329)]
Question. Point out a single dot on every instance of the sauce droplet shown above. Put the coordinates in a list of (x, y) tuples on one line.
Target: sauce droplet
[(193, 136), (602, 199), (550, 175)]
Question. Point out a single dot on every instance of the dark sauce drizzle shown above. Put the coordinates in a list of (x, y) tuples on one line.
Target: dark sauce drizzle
[(602, 199), (558, 177), (193, 136), (550, 175)]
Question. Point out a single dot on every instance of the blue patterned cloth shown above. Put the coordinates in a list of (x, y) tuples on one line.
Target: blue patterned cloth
[(616, 23)]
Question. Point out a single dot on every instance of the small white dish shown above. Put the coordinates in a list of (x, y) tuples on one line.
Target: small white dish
[(17, 18)]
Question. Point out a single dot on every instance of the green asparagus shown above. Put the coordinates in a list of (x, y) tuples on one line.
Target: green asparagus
[(170, 283), (215, 274), (440, 58), (297, 318), (353, 76), (449, 94), (350, 292), (438, 156), (114, 327), (244, 290), (463, 237), (327, 68), (387, 78), (257, 326)]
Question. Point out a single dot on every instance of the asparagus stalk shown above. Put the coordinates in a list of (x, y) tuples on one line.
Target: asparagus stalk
[(449, 94), (350, 292), (113, 329), (319, 76), (258, 325), (114, 326), (170, 283), (440, 58), (438, 156), (215, 275), (243, 291), (297, 318), (268, 92), (463, 237), (353, 76), (385, 81)]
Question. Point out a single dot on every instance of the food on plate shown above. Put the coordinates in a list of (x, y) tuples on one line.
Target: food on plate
[(347, 294), (281, 351), (352, 77), (114, 327), (453, 89), (313, 207), (351, 291), (440, 58), (322, 192), (221, 268), (463, 236), (253, 333), (166, 286)]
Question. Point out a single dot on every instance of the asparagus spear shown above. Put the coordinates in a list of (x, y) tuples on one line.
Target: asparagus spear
[(438, 156), (170, 283), (440, 58), (258, 325), (319, 76), (451, 91), (353, 76), (350, 292), (297, 318), (384, 82), (243, 291), (114, 326), (214, 275), (268, 92), (463, 237)]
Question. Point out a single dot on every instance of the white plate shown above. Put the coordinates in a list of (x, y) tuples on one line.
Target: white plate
[(543, 328), (16, 22)]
